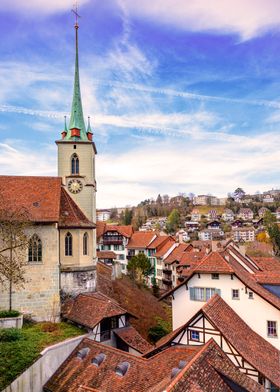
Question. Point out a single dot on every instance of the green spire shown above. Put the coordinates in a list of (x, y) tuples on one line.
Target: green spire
[(77, 117)]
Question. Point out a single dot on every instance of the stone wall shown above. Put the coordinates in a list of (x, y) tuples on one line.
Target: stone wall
[(35, 377), (40, 295)]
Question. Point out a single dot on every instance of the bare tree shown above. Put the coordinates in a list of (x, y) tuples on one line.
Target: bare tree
[(13, 247)]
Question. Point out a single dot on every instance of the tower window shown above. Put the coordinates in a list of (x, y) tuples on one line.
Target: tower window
[(74, 164), (68, 244), (35, 249), (85, 244)]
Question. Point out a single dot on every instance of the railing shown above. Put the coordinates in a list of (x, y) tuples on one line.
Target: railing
[(167, 271), (112, 241), (168, 282)]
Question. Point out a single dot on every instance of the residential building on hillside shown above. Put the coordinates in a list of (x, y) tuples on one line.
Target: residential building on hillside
[(212, 214), (211, 234), (201, 200), (215, 224), (191, 226), (161, 255), (268, 198), (195, 215), (246, 214), (103, 215), (228, 215), (139, 242), (182, 236), (262, 211), (114, 238), (246, 234)]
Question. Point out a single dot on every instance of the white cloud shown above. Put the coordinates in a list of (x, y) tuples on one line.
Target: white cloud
[(247, 18), (217, 167), (39, 6)]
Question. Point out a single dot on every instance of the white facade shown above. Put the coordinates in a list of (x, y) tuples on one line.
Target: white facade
[(252, 308), (243, 234), (103, 215)]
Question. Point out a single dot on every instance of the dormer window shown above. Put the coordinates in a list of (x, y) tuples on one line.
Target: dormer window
[(74, 164)]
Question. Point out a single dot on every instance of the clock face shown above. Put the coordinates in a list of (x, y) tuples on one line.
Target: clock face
[(75, 186)]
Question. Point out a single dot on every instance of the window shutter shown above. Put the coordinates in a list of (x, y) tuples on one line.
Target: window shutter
[(192, 293), (218, 291)]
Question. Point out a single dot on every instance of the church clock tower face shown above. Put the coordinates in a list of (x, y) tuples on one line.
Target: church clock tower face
[(75, 186)]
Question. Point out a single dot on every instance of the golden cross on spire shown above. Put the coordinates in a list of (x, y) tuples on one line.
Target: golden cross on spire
[(75, 12)]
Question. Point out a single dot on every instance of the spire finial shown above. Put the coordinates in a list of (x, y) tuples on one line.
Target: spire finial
[(75, 12), (65, 124)]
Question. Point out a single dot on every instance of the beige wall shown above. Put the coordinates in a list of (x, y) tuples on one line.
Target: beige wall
[(86, 198), (41, 290), (77, 258), (255, 312)]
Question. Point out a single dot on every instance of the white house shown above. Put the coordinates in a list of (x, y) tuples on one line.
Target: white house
[(246, 234), (103, 215)]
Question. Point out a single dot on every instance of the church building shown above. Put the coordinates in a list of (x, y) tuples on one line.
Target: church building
[(61, 254)]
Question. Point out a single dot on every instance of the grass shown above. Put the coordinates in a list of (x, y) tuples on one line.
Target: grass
[(18, 355)]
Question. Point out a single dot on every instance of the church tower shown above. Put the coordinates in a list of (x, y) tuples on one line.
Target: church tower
[(76, 152)]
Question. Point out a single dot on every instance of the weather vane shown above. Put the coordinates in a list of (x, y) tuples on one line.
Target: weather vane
[(75, 12)]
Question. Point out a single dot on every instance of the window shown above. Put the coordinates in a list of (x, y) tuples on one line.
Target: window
[(35, 249), (114, 322), (235, 294), (272, 329), (194, 335), (251, 295), (85, 244), (74, 164), (116, 247), (68, 244), (215, 276), (203, 293), (121, 257)]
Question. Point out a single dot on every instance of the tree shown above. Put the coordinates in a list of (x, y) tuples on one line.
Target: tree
[(127, 217), (13, 247), (239, 193), (159, 200), (273, 230), (173, 221), (113, 213), (138, 267)]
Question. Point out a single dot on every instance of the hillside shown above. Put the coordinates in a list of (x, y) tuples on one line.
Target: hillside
[(138, 301)]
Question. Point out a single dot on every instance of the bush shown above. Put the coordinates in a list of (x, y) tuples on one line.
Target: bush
[(10, 334), (48, 326), (9, 313), (158, 331)]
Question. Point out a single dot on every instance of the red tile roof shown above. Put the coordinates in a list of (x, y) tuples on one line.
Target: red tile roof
[(214, 262), (201, 364), (165, 248), (39, 196), (252, 347), (44, 199), (140, 239), (106, 254), (177, 253), (70, 213), (100, 227), (131, 337), (90, 308), (158, 242), (126, 231)]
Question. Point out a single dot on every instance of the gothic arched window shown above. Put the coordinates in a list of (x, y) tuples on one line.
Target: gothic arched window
[(74, 164), (68, 244), (85, 244), (35, 249)]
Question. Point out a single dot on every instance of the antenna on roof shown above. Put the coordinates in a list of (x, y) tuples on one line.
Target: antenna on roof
[(75, 12)]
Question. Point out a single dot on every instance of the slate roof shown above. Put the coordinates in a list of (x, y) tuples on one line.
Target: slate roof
[(251, 346), (131, 337), (89, 309), (148, 375), (140, 239)]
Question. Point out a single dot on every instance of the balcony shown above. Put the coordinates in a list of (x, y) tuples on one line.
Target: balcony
[(112, 241), (167, 271), (167, 282)]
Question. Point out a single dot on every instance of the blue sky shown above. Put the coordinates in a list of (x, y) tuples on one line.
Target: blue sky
[(184, 96)]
